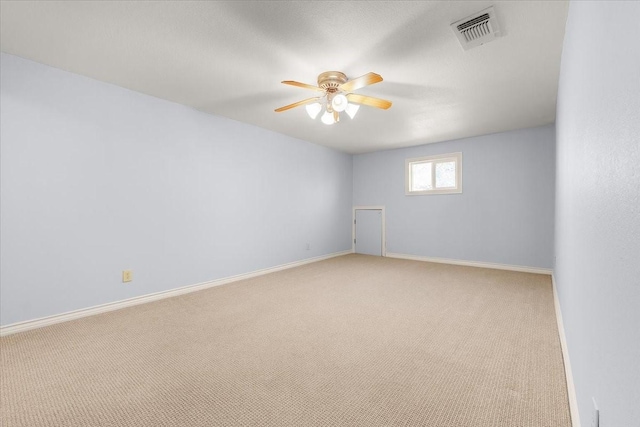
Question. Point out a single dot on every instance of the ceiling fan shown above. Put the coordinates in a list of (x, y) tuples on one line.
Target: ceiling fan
[(337, 96)]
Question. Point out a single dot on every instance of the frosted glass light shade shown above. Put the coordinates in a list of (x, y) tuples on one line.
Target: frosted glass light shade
[(339, 102), (313, 109), (352, 109), (327, 118)]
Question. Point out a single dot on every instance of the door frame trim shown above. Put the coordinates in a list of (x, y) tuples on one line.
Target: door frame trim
[(384, 226)]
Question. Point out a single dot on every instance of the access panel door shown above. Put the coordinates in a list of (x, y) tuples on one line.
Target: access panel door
[(368, 231)]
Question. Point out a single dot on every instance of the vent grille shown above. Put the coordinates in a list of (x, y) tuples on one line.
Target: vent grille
[(474, 22), (477, 29)]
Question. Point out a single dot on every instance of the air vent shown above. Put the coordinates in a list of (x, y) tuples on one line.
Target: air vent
[(477, 29)]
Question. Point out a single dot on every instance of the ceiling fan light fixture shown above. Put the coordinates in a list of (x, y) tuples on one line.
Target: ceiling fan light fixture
[(339, 102), (337, 96), (313, 110), (352, 109), (327, 118)]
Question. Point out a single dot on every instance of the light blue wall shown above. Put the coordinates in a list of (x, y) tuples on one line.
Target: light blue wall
[(504, 214), (96, 179), (597, 245)]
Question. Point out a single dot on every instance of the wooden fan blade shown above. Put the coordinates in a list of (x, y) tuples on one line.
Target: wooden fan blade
[(336, 116), (297, 104), (368, 100), (303, 85), (362, 81)]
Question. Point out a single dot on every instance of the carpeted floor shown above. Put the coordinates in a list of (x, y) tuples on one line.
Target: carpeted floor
[(351, 341)]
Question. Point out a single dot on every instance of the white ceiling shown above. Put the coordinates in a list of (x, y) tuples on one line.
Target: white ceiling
[(228, 59)]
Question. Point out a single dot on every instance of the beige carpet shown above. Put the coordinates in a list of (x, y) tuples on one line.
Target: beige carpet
[(351, 341)]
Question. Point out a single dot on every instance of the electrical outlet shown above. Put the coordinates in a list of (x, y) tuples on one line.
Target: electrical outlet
[(595, 417), (308, 246), (127, 275)]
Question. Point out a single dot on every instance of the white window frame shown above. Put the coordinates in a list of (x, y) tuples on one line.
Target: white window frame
[(440, 158)]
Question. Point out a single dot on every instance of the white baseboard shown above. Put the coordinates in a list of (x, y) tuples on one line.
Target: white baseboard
[(509, 267), (571, 389), (90, 311)]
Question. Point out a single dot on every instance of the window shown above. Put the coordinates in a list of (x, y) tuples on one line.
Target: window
[(440, 174)]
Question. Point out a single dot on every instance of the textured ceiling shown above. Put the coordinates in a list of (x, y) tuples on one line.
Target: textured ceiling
[(228, 58)]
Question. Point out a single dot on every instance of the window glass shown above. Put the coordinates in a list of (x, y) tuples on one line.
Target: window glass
[(446, 175), (421, 176)]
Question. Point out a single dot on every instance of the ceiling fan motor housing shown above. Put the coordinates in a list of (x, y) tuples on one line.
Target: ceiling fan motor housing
[(331, 80)]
